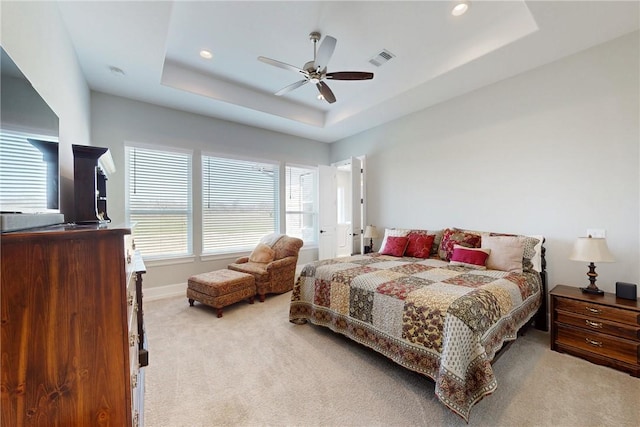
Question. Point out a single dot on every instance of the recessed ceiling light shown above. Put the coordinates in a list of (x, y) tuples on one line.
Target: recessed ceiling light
[(206, 54), (460, 8)]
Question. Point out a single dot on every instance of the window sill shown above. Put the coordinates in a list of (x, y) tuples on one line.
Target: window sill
[(224, 256), (169, 261)]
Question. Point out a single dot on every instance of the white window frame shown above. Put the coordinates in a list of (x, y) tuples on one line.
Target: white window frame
[(167, 257), (313, 240), (213, 253)]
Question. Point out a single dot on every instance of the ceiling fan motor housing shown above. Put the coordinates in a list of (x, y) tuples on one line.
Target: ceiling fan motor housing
[(315, 70)]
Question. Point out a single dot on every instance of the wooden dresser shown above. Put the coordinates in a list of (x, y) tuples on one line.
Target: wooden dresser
[(72, 328), (603, 329)]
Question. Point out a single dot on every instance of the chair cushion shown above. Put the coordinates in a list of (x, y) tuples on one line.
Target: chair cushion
[(220, 282), (257, 269)]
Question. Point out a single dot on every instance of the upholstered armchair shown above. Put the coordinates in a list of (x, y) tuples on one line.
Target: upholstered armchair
[(272, 264)]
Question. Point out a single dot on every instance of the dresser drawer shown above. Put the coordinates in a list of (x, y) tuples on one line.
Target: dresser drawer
[(132, 301), (129, 250), (599, 325), (605, 345), (598, 311)]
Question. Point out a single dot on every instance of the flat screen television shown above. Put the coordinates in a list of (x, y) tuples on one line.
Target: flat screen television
[(29, 154)]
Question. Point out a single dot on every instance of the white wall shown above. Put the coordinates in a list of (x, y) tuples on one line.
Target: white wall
[(34, 36), (553, 151), (117, 120)]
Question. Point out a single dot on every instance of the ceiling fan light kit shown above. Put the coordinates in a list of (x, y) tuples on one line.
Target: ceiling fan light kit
[(315, 71)]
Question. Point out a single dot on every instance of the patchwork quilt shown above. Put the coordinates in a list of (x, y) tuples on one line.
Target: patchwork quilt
[(441, 320)]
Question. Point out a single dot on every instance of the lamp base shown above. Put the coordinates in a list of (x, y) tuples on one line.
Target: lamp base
[(593, 291)]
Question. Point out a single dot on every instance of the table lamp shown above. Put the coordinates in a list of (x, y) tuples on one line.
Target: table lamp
[(591, 250), (370, 233)]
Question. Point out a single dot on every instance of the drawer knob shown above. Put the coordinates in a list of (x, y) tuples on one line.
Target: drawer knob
[(593, 342), (134, 380), (592, 310), (595, 325)]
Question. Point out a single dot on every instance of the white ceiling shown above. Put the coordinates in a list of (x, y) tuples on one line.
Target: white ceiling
[(438, 56)]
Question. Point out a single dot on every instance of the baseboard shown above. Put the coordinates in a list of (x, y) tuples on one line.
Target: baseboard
[(167, 291)]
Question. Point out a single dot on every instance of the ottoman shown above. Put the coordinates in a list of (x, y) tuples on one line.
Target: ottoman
[(221, 288)]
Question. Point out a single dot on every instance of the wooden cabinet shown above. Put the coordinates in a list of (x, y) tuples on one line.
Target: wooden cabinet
[(90, 184), (71, 326), (600, 328)]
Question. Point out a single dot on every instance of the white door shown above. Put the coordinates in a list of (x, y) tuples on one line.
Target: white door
[(356, 205), (328, 217)]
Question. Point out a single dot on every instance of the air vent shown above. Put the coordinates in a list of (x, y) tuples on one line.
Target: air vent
[(381, 57)]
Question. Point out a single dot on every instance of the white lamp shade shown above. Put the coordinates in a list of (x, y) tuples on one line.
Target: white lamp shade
[(591, 249), (371, 232)]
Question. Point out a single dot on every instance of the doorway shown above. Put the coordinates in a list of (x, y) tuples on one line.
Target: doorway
[(341, 208)]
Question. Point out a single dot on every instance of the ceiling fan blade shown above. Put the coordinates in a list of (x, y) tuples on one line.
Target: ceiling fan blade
[(326, 92), (350, 75), (325, 51), (281, 65), (291, 87)]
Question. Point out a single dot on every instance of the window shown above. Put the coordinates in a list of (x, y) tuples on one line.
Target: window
[(301, 206), (239, 203), (158, 198)]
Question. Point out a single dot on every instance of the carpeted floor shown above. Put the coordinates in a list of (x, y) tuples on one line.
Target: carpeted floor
[(254, 368)]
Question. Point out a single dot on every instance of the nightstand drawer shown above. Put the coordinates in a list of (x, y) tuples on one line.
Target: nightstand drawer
[(599, 325), (594, 310), (604, 345)]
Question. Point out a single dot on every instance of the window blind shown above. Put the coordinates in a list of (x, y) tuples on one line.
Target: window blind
[(23, 174), (239, 203), (301, 206), (159, 200)]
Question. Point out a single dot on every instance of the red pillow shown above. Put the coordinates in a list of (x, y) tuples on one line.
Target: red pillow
[(453, 236), (395, 246), (419, 245), (470, 257)]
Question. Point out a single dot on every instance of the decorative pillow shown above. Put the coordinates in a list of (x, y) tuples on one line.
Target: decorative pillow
[(470, 257), (536, 260), (532, 256), (506, 252), (262, 253), (454, 236), (395, 246), (395, 232), (420, 243), (436, 241)]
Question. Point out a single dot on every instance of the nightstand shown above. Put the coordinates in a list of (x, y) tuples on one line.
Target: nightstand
[(602, 329)]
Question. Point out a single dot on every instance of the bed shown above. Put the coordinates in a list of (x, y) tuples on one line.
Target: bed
[(443, 319)]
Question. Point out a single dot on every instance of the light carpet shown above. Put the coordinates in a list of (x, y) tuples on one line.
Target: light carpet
[(253, 368)]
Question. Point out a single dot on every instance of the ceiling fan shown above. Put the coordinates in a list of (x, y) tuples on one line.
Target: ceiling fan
[(316, 71)]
